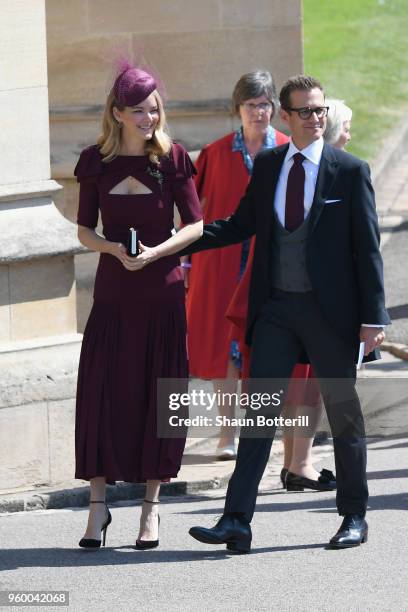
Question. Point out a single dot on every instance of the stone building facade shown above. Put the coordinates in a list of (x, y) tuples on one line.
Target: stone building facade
[(198, 48), (55, 70)]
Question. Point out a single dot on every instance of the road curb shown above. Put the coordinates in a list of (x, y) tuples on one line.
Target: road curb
[(398, 350), (393, 147), (47, 498)]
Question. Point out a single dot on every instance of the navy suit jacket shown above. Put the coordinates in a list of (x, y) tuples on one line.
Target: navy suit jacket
[(343, 257)]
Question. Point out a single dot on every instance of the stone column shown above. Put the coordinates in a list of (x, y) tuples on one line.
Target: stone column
[(39, 343)]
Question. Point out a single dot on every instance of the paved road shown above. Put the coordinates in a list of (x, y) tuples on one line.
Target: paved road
[(289, 568)]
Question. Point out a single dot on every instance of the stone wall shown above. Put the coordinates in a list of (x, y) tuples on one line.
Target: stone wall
[(39, 346), (199, 49)]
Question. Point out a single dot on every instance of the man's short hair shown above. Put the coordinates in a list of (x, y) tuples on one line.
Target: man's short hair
[(299, 82)]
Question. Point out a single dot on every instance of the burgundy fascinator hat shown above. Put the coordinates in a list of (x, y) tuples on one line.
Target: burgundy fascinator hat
[(133, 85)]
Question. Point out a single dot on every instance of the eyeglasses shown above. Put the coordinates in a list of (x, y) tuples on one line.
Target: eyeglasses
[(306, 112), (262, 106)]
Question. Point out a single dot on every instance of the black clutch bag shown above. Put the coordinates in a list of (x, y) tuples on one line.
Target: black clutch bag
[(132, 245)]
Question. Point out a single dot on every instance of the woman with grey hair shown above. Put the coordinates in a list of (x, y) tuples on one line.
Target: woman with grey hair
[(224, 169), (337, 131)]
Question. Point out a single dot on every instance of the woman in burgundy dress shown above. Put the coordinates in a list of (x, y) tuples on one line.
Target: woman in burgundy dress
[(136, 332)]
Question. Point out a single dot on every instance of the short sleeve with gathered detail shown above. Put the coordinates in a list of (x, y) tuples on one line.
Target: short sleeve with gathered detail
[(179, 171), (87, 170), (174, 177)]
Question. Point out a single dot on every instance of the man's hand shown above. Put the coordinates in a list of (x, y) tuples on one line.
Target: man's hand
[(372, 337)]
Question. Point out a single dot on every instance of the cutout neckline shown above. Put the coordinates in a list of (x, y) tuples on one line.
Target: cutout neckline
[(130, 186)]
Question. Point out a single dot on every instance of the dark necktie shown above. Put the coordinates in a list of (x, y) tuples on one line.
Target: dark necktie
[(295, 192)]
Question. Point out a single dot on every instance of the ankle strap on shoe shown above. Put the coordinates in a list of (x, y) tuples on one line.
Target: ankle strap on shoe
[(151, 502), (98, 502)]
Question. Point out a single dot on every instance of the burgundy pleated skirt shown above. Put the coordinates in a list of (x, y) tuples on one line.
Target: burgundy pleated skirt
[(126, 348)]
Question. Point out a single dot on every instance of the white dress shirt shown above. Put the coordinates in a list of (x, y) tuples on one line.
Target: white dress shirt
[(313, 155)]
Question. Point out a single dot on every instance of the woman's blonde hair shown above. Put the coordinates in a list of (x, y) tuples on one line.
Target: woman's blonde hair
[(109, 140)]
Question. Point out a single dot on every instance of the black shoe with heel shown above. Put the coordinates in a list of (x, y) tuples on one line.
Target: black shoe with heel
[(353, 532), (146, 544), (231, 530), (325, 482), (90, 543)]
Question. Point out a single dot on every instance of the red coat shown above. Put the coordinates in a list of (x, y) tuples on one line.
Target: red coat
[(221, 180)]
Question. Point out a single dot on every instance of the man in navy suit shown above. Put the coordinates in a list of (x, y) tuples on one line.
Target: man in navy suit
[(316, 290)]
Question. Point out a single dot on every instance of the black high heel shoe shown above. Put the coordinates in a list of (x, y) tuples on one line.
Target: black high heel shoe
[(145, 544), (90, 542)]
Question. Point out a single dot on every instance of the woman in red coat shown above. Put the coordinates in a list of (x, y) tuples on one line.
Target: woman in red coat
[(224, 169)]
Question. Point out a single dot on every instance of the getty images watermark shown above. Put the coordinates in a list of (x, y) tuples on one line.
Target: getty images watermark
[(204, 400), (194, 408), (197, 409)]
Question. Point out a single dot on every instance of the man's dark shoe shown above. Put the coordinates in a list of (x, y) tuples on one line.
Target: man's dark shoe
[(353, 532), (325, 482), (230, 529)]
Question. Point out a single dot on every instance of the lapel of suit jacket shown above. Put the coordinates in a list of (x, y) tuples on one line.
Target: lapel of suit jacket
[(326, 175), (274, 169)]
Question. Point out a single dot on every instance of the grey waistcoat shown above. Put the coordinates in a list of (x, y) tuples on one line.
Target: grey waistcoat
[(288, 257)]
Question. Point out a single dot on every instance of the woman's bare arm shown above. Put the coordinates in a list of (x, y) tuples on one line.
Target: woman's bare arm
[(188, 234), (89, 238)]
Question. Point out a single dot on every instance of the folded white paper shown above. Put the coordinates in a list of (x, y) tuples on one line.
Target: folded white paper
[(360, 355)]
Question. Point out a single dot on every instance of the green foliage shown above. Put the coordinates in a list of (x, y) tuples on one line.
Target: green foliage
[(359, 50)]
